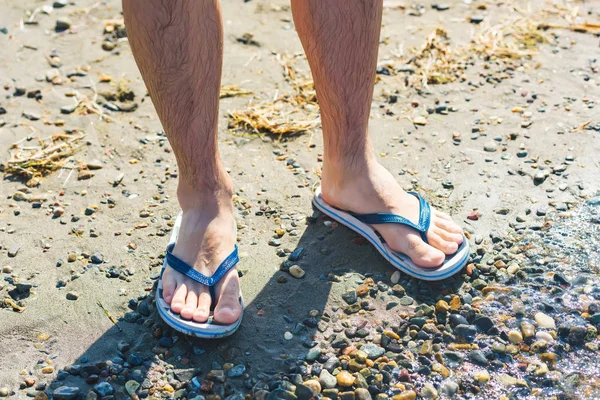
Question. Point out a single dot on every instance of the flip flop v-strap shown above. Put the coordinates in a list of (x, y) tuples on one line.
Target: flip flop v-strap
[(184, 268), (386, 218)]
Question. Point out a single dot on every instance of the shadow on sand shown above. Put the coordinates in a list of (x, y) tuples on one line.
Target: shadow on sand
[(165, 363)]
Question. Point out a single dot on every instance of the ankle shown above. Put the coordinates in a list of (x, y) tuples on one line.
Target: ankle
[(212, 195), (337, 170)]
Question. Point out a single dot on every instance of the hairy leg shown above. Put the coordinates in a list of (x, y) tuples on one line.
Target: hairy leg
[(341, 39), (178, 47)]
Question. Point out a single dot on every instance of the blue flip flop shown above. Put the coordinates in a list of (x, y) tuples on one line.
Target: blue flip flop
[(361, 223), (209, 329)]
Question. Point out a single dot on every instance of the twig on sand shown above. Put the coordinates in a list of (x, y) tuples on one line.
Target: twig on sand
[(110, 317)]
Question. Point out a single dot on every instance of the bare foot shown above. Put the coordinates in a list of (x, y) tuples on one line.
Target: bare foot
[(206, 238), (372, 189)]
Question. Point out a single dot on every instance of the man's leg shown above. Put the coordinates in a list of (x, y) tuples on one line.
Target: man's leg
[(341, 40), (178, 47)]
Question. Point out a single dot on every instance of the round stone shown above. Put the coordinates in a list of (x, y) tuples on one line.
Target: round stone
[(345, 379), (481, 376), (490, 147), (544, 336), (406, 395), (4, 391), (288, 335), (314, 385), (544, 321), (527, 329), (297, 272), (449, 388), (47, 370), (362, 394), (515, 337), (327, 380), (428, 391)]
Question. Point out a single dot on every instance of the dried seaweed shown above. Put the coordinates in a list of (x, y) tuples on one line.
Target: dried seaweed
[(262, 120), (436, 61), (514, 39), (34, 162), (232, 91), (291, 113)]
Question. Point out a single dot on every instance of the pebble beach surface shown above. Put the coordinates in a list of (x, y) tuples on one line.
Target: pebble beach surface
[(489, 110)]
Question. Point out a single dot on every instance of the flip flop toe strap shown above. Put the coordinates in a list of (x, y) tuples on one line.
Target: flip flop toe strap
[(386, 218), (181, 266)]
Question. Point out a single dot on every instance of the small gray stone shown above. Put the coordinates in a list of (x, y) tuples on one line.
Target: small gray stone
[(66, 393), (449, 387), (14, 249), (62, 24), (236, 371), (103, 389), (477, 357), (441, 7), (490, 147), (72, 295), (373, 351), (327, 380), (406, 301), (539, 178), (313, 354), (350, 297)]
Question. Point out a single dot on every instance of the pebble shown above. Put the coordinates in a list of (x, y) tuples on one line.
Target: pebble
[(395, 277), (405, 395), (428, 391), (297, 272), (442, 307), (314, 386), (490, 147), (47, 370), (544, 321), (362, 394), (131, 387), (4, 392), (544, 336), (481, 376), (72, 295), (441, 7), (14, 250), (577, 335), (62, 24), (372, 350), (236, 371), (345, 379), (288, 335), (477, 357), (539, 178), (327, 380), (66, 393), (449, 388), (515, 337)]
